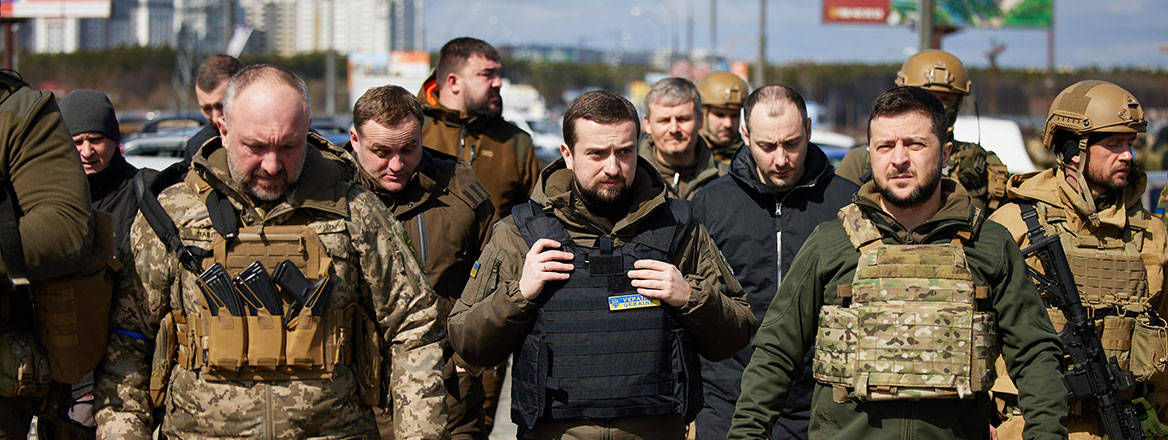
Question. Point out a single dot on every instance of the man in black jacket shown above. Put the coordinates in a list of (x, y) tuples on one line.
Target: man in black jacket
[(782, 180), (210, 90)]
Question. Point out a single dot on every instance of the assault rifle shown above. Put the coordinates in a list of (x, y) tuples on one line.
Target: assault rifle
[(1086, 369)]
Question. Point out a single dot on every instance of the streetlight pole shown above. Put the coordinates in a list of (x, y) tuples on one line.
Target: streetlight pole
[(925, 24), (760, 68)]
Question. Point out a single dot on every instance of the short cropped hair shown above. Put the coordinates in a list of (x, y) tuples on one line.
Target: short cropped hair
[(599, 106), (387, 106), (216, 70), (773, 94), (455, 53), (674, 91), (262, 73), (906, 99)]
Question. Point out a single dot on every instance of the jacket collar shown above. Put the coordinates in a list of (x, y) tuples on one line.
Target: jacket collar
[(817, 170), (431, 178), (1037, 186), (118, 171), (957, 212), (553, 191)]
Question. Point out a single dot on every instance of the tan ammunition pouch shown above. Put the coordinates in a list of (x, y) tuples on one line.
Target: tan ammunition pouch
[(72, 312), (1112, 278), (912, 330)]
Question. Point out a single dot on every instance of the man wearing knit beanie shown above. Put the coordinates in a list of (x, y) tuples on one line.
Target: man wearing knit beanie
[(91, 121)]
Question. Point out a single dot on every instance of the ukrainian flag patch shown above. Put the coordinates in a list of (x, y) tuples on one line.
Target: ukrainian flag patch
[(474, 270), (628, 302)]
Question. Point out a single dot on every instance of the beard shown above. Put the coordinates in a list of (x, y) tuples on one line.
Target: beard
[(248, 181), (605, 202), (490, 107), (923, 192), (1100, 179)]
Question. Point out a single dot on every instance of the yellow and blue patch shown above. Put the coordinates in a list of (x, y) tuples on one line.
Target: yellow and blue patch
[(629, 302), (474, 270)]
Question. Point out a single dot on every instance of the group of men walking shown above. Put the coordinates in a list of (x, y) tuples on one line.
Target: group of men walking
[(701, 270)]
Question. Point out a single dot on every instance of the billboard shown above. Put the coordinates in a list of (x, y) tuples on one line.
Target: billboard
[(54, 8), (954, 13)]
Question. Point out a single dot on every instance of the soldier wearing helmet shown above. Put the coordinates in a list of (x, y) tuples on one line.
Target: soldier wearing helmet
[(981, 172), (1115, 248), (722, 96)]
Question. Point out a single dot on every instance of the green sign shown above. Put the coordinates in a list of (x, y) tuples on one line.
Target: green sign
[(977, 13)]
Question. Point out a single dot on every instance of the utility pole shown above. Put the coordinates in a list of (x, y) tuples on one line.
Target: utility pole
[(689, 21), (330, 67), (996, 49), (925, 25), (1050, 55), (760, 68), (228, 22), (713, 27)]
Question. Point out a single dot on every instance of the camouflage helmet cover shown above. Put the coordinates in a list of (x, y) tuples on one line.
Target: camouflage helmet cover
[(1093, 107), (936, 71), (723, 89)]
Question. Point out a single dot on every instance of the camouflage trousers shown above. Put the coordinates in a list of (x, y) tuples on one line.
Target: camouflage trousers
[(471, 402)]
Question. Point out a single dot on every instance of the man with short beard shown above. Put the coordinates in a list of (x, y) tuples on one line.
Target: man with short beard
[(605, 289), (463, 111), (298, 357), (672, 142), (906, 301), (1115, 248)]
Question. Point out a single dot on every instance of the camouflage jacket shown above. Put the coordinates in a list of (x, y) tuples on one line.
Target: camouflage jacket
[(979, 170), (723, 153), (828, 259), (371, 268), (684, 184)]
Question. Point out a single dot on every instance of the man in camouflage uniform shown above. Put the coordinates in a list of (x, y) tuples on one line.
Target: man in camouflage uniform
[(366, 312), (445, 210), (672, 144), (43, 176), (1115, 248), (914, 277), (980, 171), (722, 96)]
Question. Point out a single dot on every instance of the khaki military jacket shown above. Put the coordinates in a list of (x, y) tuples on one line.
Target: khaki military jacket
[(492, 316), (371, 270), (1109, 222), (447, 214), (828, 259), (501, 154), (683, 185), (979, 170)]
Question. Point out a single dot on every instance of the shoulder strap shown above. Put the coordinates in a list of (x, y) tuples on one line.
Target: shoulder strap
[(666, 226), (1034, 228), (861, 231), (534, 224), (190, 257)]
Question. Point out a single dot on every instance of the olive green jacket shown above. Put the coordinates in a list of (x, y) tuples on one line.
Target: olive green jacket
[(828, 259), (40, 161), (683, 185), (492, 316)]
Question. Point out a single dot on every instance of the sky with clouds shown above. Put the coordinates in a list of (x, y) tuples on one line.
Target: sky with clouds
[(1105, 33)]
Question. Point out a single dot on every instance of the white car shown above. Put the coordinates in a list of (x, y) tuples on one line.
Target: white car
[(1002, 136)]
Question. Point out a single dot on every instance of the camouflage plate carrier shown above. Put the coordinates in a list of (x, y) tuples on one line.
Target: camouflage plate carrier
[(912, 330)]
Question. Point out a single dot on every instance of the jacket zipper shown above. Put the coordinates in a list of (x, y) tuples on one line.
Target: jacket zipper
[(778, 243), (462, 145), (422, 237), (493, 276)]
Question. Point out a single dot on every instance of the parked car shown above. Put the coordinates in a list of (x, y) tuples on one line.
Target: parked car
[(1002, 136), (158, 149)]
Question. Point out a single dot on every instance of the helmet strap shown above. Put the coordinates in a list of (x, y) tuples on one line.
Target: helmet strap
[(1080, 174)]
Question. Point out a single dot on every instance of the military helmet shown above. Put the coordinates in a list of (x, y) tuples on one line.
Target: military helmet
[(723, 89), (1093, 107), (936, 71)]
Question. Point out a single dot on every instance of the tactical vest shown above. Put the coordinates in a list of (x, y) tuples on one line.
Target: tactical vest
[(912, 329), (597, 349), (260, 345), (1111, 275)]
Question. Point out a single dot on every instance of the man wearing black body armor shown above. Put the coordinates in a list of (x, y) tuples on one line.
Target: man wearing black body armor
[(605, 290)]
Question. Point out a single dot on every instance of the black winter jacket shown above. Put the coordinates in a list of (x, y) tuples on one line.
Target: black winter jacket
[(749, 221), (112, 191)]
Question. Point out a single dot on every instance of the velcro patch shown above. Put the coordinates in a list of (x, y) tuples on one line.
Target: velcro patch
[(628, 302), (474, 270)]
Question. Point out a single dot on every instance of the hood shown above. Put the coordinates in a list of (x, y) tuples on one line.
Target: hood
[(1037, 186), (817, 170), (957, 212), (553, 191), (428, 94), (330, 175)]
